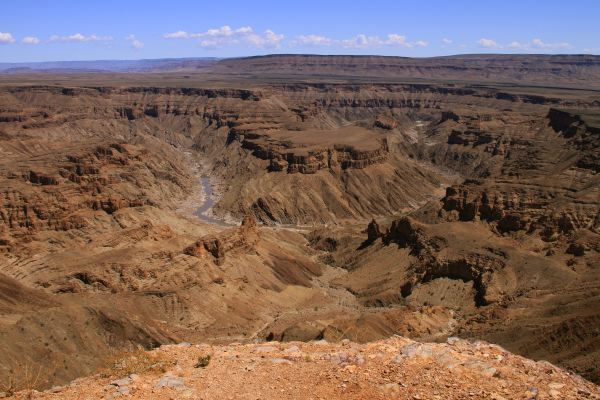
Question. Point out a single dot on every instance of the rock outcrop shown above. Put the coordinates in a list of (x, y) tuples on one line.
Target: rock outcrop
[(515, 207), (432, 262), (217, 246), (397, 367), (106, 178), (373, 232), (291, 158), (582, 129), (338, 158)]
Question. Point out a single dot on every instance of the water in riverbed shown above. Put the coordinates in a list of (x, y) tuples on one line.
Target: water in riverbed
[(209, 202)]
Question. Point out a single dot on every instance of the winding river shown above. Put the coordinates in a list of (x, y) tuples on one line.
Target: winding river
[(209, 202)]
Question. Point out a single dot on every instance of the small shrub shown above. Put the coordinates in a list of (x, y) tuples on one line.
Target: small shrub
[(203, 361)]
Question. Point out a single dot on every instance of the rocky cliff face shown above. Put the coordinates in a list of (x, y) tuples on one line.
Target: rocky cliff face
[(582, 129), (73, 185), (242, 239), (338, 158), (528, 209), (433, 262)]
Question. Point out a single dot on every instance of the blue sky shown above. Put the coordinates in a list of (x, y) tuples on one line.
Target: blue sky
[(55, 30)]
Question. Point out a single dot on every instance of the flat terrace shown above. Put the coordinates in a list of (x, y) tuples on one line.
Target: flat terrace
[(303, 142)]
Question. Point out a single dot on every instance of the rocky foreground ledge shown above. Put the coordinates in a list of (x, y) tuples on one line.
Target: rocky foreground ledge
[(396, 368)]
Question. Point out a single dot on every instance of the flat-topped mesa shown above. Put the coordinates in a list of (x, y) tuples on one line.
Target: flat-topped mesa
[(338, 158), (243, 237), (571, 70), (292, 158)]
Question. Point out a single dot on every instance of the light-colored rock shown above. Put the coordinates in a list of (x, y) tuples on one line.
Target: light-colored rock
[(265, 349), (121, 382), (280, 361), (169, 381)]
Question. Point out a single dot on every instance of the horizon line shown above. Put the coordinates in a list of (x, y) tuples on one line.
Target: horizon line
[(301, 54)]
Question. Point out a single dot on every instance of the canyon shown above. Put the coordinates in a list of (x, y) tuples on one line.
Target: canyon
[(343, 205)]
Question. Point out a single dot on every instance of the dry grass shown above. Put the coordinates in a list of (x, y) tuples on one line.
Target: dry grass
[(22, 376), (27, 376), (137, 362)]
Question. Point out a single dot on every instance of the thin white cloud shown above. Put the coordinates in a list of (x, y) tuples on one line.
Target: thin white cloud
[(78, 37), (6, 38), (516, 45), (537, 43), (313, 40), (488, 43), (32, 40), (244, 30), (268, 39), (223, 31), (595, 50), (134, 42), (211, 44), (446, 41), (360, 41), (393, 39), (177, 35), (225, 35)]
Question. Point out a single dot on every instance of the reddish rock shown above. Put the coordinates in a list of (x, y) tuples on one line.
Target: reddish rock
[(242, 237)]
